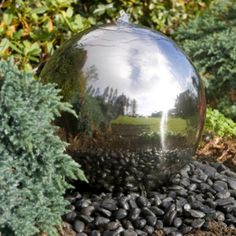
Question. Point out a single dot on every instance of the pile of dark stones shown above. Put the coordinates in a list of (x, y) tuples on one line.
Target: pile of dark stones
[(129, 171), (200, 192)]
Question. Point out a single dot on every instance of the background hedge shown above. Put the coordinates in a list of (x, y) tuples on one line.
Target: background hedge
[(209, 40), (30, 30)]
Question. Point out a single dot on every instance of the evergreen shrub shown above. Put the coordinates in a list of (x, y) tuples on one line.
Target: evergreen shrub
[(33, 165), (209, 40)]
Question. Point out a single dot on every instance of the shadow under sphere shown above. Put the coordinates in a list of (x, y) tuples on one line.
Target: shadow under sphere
[(139, 100)]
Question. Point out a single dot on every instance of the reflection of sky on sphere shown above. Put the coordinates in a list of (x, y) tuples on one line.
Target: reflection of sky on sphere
[(149, 69)]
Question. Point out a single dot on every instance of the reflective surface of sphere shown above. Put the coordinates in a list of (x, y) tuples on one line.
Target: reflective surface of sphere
[(139, 100)]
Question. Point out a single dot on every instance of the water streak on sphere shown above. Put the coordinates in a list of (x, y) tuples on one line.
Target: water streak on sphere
[(139, 100)]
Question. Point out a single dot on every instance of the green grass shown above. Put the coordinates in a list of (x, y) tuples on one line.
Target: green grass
[(174, 124)]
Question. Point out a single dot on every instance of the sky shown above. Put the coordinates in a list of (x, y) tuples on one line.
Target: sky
[(139, 63)]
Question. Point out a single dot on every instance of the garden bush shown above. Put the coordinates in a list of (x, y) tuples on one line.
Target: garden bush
[(33, 166), (219, 125), (160, 15), (31, 30), (209, 41)]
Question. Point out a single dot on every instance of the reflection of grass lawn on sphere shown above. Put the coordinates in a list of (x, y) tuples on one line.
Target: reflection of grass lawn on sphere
[(176, 125)]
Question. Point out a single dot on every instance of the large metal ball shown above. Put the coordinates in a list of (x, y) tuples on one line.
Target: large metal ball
[(139, 100)]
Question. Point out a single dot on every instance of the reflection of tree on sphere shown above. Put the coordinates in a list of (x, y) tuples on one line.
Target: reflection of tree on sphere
[(184, 104)]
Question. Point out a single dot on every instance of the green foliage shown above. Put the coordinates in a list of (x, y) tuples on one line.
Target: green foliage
[(33, 166), (31, 30), (209, 41), (218, 124), (161, 15), (175, 125)]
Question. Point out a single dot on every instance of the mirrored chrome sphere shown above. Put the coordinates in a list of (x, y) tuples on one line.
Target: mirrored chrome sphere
[(139, 100)]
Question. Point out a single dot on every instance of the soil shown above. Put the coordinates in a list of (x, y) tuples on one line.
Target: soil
[(218, 150), (214, 229), (65, 230)]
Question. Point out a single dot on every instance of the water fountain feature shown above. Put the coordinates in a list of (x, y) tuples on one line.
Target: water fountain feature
[(138, 98)]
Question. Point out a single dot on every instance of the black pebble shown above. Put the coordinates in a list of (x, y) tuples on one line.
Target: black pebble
[(148, 229), (110, 233), (159, 224), (101, 220), (70, 217), (134, 213), (151, 220), (142, 201), (220, 186), (177, 222), (113, 225), (132, 203), (197, 214), (185, 229), (129, 233), (88, 211), (123, 203), (120, 214), (157, 211), (232, 183), (141, 232), (147, 212), (86, 219), (169, 217), (104, 212), (109, 204), (198, 223), (95, 233), (139, 223), (79, 226)]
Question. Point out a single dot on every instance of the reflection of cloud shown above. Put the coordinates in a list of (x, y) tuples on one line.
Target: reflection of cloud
[(149, 69), (155, 76), (135, 67)]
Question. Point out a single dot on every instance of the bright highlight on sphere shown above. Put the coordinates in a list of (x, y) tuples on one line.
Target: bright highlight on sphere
[(139, 100)]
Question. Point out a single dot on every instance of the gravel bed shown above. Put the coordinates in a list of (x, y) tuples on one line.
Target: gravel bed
[(199, 193), (130, 171)]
